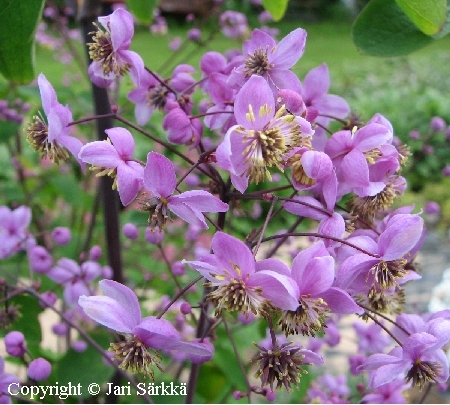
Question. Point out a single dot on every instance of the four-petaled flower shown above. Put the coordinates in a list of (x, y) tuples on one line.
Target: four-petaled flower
[(119, 310), (160, 180), (52, 138), (115, 158), (262, 137)]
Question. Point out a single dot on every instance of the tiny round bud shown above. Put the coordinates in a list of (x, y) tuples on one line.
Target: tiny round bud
[(271, 396), (130, 231), (178, 269), (39, 369), (446, 171), (61, 235), (95, 253), (194, 34), (432, 207), (185, 308), (428, 149), (79, 346), (414, 134), (40, 259), (48, 299), (15, 344), (437, 124), (237, 395), (107, 272), (60, 329), (154, 237), (292, 101)]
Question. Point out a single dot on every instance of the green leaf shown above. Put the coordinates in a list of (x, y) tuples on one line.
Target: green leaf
[(7, 130), (142, 9), (276, 8), (428, 16), (446, 27), (383, 29), (19, 20)]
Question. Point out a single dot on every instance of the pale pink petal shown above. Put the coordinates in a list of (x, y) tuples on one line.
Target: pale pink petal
[(186, 213), (159, 175), (201, 200), (128, 183), (48, 94), (122, 140), (289, 50), (316, 83), (340, 302), (101, 154)]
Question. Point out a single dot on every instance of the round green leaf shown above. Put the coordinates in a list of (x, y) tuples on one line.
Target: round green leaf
[(429, 16), (383, 29)]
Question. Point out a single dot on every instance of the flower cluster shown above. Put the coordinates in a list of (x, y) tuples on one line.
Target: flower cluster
[(257, 132)]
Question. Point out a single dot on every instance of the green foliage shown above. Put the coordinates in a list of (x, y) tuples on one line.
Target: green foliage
[(19, 20), (142, 9), (276, 8), (428, 16), (383, 29)]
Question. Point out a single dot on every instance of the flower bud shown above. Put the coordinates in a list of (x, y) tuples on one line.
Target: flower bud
[(95, 253), (155, 238), (437, 124), (271, 396), (48, 299), (39, 369), (446, 171), (15, 344), (130, 231), (61, 235), (40, 259), (79, 346), (60, 329), (194, 34), (178, 269), (185, 308), (432, 207)]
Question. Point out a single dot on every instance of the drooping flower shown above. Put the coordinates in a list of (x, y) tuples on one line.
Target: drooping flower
[(160, 180), (119, 309), (272, 61), (13, 229), (313, 273), (182, 129), (282, 364), (110, 50), (386, 262), (390, 393), (52, 139), (114, 158), (262, 137), (240, 284), (421, 357), (74, 278)]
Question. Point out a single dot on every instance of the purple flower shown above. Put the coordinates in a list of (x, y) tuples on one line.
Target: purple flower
[(118, 309), (160, 180), (5, 384), (130, 231), (115, 158), (194, 34), (390, 393), (352, 152), (315, 95), (264, 57), (52, 138), (233, 24), (74, 277), (370, 338), (262, 137), (386, 264), (437, 124), (13, 229), (421, 357), (242, 284), (110, 50), (313, 274), (182, 130)]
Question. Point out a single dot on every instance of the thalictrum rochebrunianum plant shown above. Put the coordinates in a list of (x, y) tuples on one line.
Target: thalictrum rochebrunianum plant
[(254, 160)]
